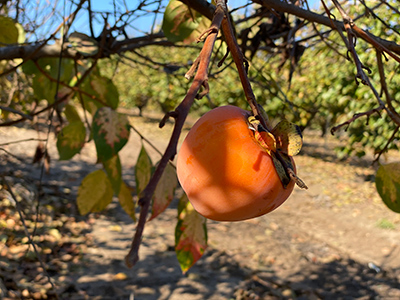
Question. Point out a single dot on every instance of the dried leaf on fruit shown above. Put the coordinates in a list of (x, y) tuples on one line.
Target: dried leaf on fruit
[(280, 169), (288, 137), (110, 132), (143, 169), (190, 234), (388, 185), (165, 190), (94, 193)]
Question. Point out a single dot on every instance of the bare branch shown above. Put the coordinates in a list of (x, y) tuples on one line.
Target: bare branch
[(241, 67), (181, 113), (348, 25), (355, 117), (284, 6), (389, 141), (14, 111)]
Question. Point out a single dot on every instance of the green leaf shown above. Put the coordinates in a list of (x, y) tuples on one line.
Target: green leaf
[(179, 21), (165, 190), (94, 193), (142, 170), (52, 66), (190, 235), (104, 91), (71, 140), (203, 25), (114, 172), (9, 31), (110, 132), (83, 43), (43, 87), (388, 185), (71, 113), (126, 200)]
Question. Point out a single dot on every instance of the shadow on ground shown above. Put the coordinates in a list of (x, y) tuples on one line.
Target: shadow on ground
[(96, 270)]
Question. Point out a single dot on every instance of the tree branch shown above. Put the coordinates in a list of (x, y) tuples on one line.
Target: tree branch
[(180, 114), (39, 50)]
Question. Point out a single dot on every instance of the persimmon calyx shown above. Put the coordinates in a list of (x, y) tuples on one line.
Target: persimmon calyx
[(265, 138), (284, 141)]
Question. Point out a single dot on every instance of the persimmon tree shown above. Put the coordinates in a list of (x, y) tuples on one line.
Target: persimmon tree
[(194, 54)]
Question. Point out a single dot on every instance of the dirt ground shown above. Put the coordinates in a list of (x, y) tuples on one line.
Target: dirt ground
[(336, 240)]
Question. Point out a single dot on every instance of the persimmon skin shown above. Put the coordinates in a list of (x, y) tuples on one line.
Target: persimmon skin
[(225, 173)]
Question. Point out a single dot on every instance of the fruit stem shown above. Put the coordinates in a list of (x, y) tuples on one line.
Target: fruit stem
[(240, 62)]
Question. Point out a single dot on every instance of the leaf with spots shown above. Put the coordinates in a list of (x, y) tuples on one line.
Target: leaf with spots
[(110, 132), (388, 185), (179, 21), (190, 235), (106, 90), (71, 140), (102, 90), (165, 190), (94, 193), (126, 200), (114, 172), (143, 170)]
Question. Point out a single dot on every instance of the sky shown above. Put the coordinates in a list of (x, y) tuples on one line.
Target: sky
[(141, 24), (40, 10)]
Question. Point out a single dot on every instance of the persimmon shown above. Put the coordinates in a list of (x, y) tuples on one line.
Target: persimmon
[(225, 172)]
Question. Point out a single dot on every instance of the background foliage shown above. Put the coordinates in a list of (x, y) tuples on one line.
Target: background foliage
[(82, 75)]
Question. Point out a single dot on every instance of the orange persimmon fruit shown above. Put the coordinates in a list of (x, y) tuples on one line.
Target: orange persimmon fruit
[(224, 171)]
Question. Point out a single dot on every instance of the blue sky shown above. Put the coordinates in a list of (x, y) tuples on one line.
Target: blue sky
[(144, 22)]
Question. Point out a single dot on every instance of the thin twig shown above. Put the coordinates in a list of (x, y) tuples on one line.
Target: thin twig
[(393, 114), (70, 18), (73, 89), (12, 155), (240, 62), (22, 218), (63, 98), (21, 141), (387, 144), (321, 35), (146, 140), (351, 38), (14, 111), (355, 117)]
